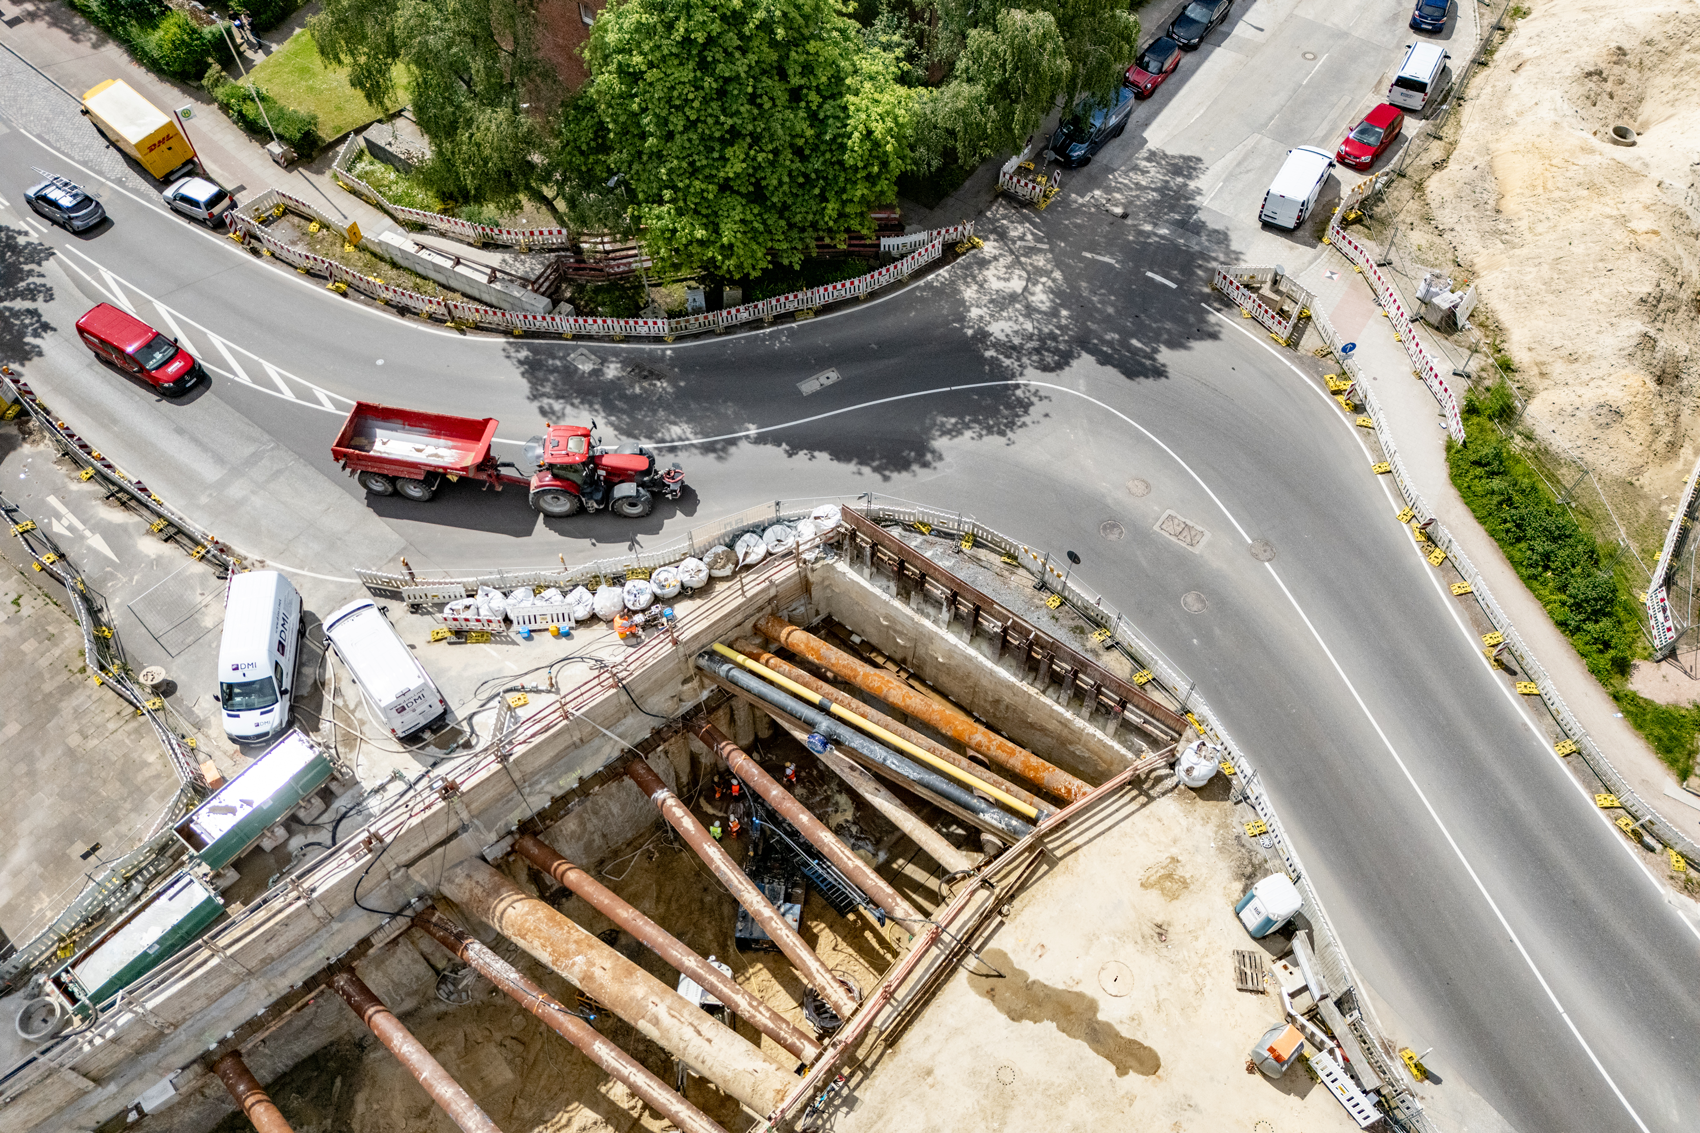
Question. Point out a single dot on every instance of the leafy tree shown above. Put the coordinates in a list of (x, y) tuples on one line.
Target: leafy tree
[(474, 69), (743, 131), (1007, 64)]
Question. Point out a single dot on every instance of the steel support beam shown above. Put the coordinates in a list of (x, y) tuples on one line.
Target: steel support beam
[(250, 1096)]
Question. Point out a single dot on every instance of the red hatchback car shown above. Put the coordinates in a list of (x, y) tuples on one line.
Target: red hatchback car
[(1157, 64), (1370, 138), (136, 348)]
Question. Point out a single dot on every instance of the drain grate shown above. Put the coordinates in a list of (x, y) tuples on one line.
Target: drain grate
[(181, 610)]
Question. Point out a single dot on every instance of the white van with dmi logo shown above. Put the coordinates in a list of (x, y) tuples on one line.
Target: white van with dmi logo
[(257, 654), (390, 677)]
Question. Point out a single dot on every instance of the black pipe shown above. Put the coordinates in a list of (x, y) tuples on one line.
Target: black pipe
[(923, 777)]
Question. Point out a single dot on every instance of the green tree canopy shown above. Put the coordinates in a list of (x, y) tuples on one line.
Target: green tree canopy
[(1007, 64), (745, 129), (474, 69)]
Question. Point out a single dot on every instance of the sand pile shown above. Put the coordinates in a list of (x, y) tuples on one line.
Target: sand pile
[(1585, 251)]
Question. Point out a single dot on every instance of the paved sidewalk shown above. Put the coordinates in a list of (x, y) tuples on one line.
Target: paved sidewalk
[(80, 767), (1419, 432), (76, 55)]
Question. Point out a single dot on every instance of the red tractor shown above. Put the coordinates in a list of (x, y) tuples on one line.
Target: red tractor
[(574, 472), (410, 453)]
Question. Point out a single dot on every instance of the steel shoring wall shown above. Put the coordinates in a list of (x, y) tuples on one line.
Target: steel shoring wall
[(391, 819)]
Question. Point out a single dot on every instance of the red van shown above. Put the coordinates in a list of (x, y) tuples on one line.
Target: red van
[(136, 348)]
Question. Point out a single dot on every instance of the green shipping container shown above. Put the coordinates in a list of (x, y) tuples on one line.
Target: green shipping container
[(221, 829), (169, 920)]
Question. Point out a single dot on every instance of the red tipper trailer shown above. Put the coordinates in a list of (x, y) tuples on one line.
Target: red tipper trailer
[(408, 451)]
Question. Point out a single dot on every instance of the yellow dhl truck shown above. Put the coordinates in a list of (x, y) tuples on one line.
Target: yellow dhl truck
[(140, 129)]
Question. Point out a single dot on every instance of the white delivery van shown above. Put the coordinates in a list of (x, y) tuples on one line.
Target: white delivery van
[(1418, 79), (390, 677), (1293, 193), (257, 655)]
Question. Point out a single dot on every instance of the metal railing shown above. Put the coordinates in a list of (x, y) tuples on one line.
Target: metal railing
[(1658, 595)]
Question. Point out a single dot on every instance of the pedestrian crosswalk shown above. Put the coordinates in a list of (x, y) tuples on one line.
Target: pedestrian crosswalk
[(217, 354)]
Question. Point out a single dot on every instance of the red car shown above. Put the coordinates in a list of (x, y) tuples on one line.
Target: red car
[(136, 348), (1157, 64), (1370, 138)]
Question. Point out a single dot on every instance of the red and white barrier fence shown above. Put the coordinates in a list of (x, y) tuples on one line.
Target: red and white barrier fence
[(1434, 376), (248, 223), (1233, 285)]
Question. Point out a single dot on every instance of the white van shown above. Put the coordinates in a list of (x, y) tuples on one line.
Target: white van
[(1293, 193), (389, 675), (257, 655), (1418, 79)]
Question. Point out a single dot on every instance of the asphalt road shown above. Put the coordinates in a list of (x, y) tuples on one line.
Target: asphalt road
[(1498, 918)]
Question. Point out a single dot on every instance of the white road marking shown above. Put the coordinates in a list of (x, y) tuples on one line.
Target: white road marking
[(89, 537), (278, 379), (34, 225), (1161, 280), (1398, 760), (1096, 256), (177, 334), (1314, 70), (235, 366), (114, 290)]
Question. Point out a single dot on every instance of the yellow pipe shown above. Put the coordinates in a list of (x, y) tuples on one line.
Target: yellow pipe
[(809, 696)]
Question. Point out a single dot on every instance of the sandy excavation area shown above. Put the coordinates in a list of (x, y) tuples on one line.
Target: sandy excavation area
[(1585, 251)]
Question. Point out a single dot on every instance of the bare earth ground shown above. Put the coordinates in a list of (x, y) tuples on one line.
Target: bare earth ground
[(1585, 251)]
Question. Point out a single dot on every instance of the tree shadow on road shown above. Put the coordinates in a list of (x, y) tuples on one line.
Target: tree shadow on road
[(23, 291)]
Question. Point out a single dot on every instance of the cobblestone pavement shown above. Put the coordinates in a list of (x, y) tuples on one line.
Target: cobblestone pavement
[(77, 765)]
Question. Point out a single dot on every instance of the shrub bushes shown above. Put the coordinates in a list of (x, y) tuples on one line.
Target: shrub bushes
[(161, 39), (1671, 731), (1558, 560), (300, 131), (266, 14)]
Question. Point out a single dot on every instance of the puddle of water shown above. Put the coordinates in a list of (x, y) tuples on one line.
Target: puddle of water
[(1023, 999)]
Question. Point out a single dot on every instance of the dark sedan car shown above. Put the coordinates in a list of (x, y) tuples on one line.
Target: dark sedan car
[(1430, 15), (1084, 132), (64, 203), (1197, 20), (1156, 64)]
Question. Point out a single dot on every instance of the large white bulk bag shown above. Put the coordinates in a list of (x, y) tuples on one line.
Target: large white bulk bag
[(580, 603), (693, 573), (608, 603), (521, 597), (827, 516), (750, 549), (721, 562), (638, 594), (779, 538), (665, 582)]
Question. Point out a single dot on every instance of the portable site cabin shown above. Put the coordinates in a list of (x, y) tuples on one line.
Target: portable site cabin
[(221, 829), (161, 927)]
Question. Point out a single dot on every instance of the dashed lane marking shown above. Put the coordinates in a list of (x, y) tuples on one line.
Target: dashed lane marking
[(1160, 279)]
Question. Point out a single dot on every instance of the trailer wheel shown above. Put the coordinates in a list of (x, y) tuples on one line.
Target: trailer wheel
[(416, 490), (556, 503), (634, 507), (377, 484)]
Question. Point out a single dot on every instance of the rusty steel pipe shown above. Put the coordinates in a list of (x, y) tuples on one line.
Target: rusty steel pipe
[(619, 1065), (261, 1111), (743, 890), (659, 1013), (900, 696), (411, 1053), (876, 887), (759, 654), (670, 948)]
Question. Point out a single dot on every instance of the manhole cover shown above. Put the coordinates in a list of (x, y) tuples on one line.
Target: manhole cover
[(1116, 978), (1139, 487), (1182, 530), (1310, 55), (1263, 550), (584, 360), (182, 609), (1006, 1075), (1193, 602), (1110, 529)]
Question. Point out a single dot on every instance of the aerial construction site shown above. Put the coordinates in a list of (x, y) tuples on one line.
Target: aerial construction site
[(880, 824)]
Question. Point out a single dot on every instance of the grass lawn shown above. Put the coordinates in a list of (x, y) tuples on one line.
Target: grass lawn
[(300, 79)]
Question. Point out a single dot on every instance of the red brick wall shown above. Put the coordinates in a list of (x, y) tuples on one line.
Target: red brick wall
[(561, 35)]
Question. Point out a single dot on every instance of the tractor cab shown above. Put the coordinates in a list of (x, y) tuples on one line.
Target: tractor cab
[(565, 452)]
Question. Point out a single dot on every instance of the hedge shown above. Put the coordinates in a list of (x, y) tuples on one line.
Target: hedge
[(162, 39), (299, 130)]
